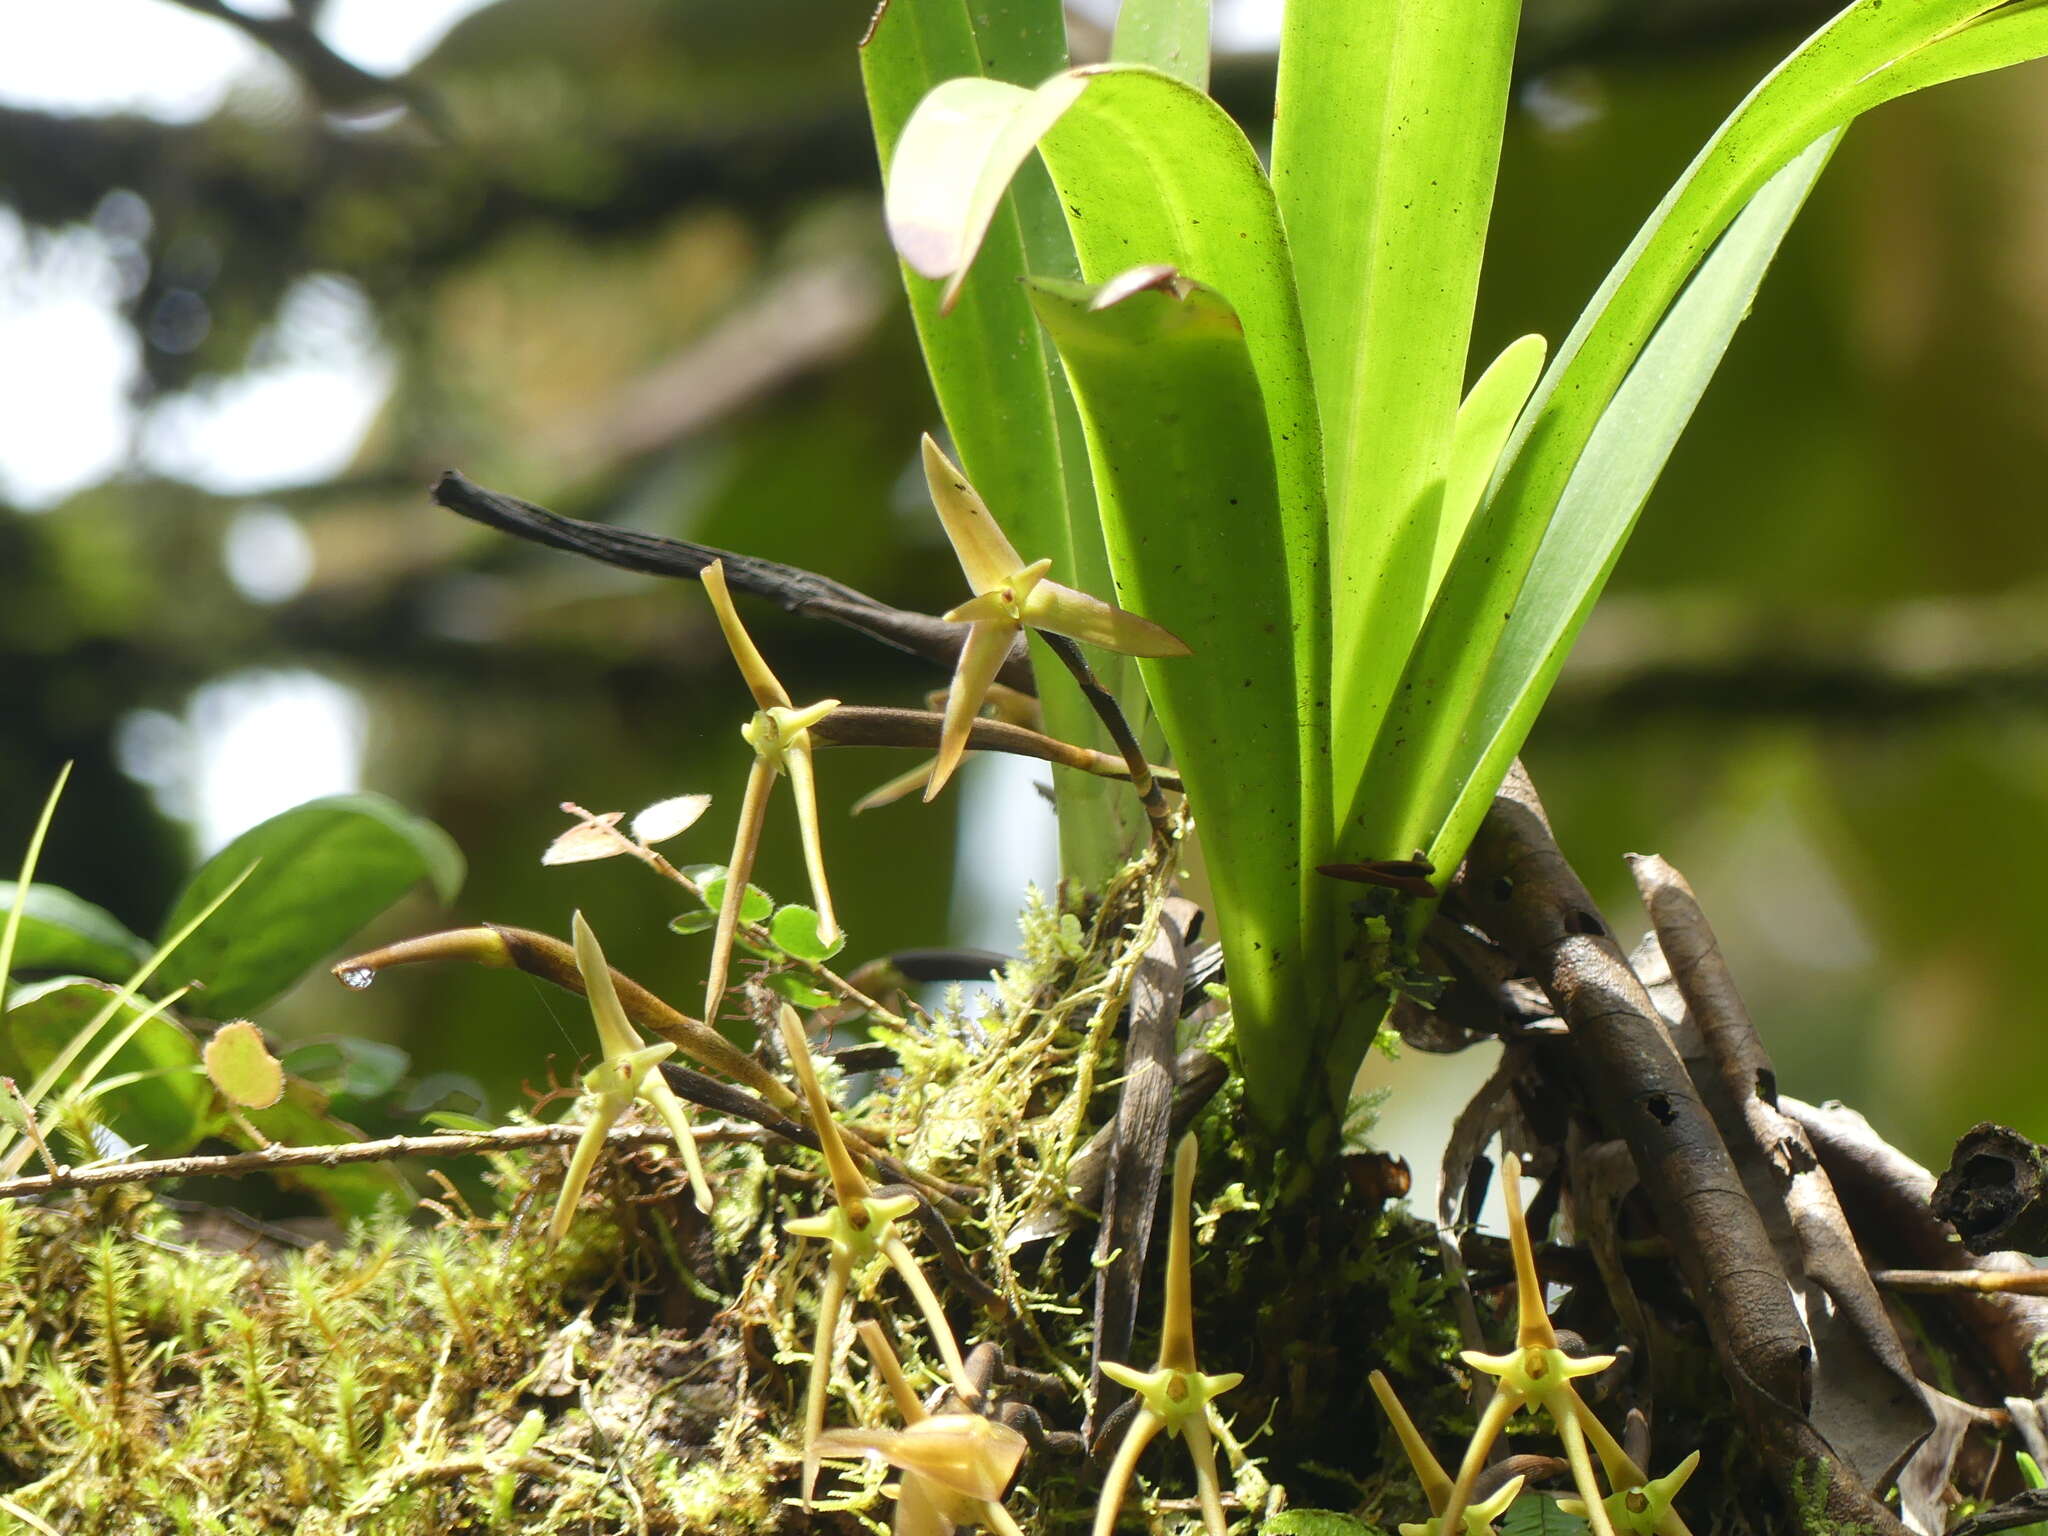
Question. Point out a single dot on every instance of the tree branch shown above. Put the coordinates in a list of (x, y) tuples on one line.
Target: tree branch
[(795, 589)]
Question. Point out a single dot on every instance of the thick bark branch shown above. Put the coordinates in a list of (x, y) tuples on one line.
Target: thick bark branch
[(1519, 889)]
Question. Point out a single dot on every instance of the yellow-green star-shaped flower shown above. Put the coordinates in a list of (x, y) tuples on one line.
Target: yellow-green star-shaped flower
[(1010, 595), (1645, 1508), (609, 1090), (1174, 1396), (859, 1226), (780, 735), (1536, 1373), (1429, 1472)]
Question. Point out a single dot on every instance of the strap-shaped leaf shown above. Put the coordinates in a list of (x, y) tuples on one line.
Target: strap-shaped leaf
[(1484, 422), (1170, 35), (1386, 139), (1614, 478), (1190, 502), (1868, 54), (1005, 403)]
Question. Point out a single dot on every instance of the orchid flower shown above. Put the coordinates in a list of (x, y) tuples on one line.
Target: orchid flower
[(955, 1466), (1436, 1483), (780, 735), (618, 1039), (858, 1226), (1538, 1374), (1009, 595), (1174, 1395)]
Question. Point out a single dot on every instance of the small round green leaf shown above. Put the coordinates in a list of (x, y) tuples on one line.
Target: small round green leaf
[(797, 992), (795, 931), (242, 1067), (694, 922), (754, 906)]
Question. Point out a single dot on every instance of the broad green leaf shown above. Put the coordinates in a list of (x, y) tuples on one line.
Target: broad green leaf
[(348, 1068), (795, 932), (1868, 54), (1386, 139), (1606, 493), (1190, 501), (326, 868), (63, 932), (241, 1067), (1170, 35), (1005, 402), (1152, 172), (160, 1100), (1484, 422)]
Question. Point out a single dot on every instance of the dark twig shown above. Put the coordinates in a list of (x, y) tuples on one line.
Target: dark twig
[(1111, 714), (795, 589), (1520, 890), (506, 1138), (859, 725)]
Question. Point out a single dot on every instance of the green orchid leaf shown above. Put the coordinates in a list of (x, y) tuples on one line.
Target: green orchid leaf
[(1434, 737), (1150, 172), (322, 870), (1386, 138), (1170, 35), (63, 932), (1004, 399), (795, 932), (1190, 501), (1484, 422), (1606, 494), (151, 1091)]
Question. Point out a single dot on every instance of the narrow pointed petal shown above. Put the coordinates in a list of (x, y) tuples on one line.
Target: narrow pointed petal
[(989, 608), (656, 1091), (904, 784), (1574, 1438), (986, 558), (1078, 616), (767, 691), (604, 1114), (1202, 1452), (1117, 1484), (898, 1254), (1532, 1320), (1429, 1472), (849, 1186), (1499, 1409), (980, 659), (615, 1036), (890, 1369), (1177, 1333), (821, 1368), (803, 787), (746, 841)]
